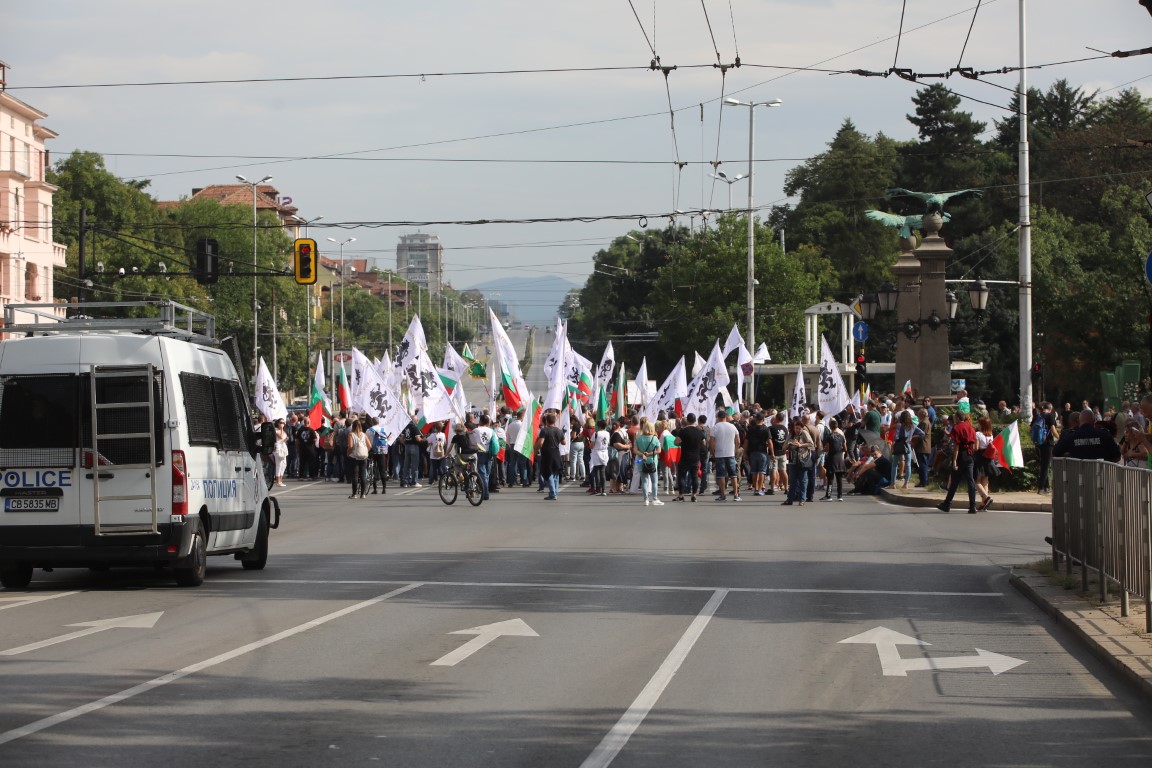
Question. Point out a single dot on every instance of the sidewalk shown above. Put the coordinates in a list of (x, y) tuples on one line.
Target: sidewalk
[(1119, 642), (932, 496)]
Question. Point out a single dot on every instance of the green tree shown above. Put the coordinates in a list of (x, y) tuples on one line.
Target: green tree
[(835, 188), (126, 231), (948, 156)]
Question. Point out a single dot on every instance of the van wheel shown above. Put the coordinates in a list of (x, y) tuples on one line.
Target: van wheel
[(258, 557), (191, 572), (17, 576)]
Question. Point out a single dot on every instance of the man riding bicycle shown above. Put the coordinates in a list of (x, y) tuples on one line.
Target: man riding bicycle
[(460, 448)]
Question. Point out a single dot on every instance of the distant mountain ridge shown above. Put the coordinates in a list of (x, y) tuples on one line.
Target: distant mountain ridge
[(530, 299)]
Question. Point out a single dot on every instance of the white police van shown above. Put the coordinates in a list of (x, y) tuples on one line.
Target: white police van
[(126, 441)]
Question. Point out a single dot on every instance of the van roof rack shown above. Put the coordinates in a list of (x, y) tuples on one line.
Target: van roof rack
[(159, 318)]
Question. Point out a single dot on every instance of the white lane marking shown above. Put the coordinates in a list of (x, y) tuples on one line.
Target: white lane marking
[(616, 738), (638, 587), (139, 621), (31, 600), (171, 677), (291, 488), (301, 486), (484, 635)]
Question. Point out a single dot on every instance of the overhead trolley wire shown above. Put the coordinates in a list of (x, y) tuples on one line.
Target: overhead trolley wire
[(969, 35), (900, 33), (328, 78), (735, 45), (711, 34), (651, 47)]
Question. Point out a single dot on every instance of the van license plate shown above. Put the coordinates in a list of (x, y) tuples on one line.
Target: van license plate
[(35, 504)]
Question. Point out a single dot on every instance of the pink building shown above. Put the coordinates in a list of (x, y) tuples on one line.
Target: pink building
[(28, 257)]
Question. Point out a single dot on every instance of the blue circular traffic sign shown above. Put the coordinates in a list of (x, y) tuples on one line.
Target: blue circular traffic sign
[(860, 331)]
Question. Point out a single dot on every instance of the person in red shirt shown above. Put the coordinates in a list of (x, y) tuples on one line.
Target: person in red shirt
[(964, 437)]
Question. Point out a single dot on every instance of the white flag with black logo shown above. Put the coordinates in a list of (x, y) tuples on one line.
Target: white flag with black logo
[(799, 397), (833, 395), (268, 400)]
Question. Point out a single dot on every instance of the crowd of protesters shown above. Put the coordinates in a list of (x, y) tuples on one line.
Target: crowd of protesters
[(724, 456)]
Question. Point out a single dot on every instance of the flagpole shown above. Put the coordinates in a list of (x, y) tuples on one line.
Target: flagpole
[(622, 390)]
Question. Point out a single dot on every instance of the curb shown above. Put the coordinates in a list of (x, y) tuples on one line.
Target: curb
[(925, 501), (1113, 642)]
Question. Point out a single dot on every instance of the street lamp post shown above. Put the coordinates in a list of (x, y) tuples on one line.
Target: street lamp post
[(751, 340), (255, 306), (720, 176), (307, 222), (343, 269)]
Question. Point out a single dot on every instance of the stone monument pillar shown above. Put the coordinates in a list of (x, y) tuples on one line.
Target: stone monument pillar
[(907, 273), (934, 377)]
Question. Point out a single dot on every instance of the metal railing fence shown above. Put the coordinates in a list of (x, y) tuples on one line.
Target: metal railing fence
[(1100, 521)]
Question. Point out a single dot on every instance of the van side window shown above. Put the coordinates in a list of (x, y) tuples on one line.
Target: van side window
[(232, 414), (217, 412), (39, 416), (200, 409)]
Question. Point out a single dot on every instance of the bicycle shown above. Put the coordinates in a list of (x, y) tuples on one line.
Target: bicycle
[(370, 473), (463, 475)]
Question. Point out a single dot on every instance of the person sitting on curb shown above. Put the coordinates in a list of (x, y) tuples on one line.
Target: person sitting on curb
[(872, 473)]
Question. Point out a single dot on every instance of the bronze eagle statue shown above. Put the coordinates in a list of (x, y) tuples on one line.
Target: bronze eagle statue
[(903, 223), (933, 200)]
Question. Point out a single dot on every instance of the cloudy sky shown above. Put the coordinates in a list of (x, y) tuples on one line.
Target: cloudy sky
[(390, 131)]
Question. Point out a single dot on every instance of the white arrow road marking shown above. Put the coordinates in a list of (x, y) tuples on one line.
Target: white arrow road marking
[(995, 662), (484, 635), (140, 621), (887, 640)]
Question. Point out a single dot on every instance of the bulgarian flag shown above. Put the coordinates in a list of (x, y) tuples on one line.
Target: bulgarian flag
[(526, 440), (508, 386), (426, 427), (447, 380), (615, 404), (512, 382), (1007, 445), (907, 388), (342, 392), (318, 405), (584, 386)]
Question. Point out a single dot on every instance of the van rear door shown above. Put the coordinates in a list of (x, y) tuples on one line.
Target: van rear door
[(122, 451), (40, 416)]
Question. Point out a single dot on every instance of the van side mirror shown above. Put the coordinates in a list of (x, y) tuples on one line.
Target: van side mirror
[(267, 438)]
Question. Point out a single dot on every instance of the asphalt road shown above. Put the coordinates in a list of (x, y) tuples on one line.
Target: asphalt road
[(702, 634)]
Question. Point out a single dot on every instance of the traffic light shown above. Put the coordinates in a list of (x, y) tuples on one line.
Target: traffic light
[(207, 261), (304, 261), (1037, 372), (862, 367)]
